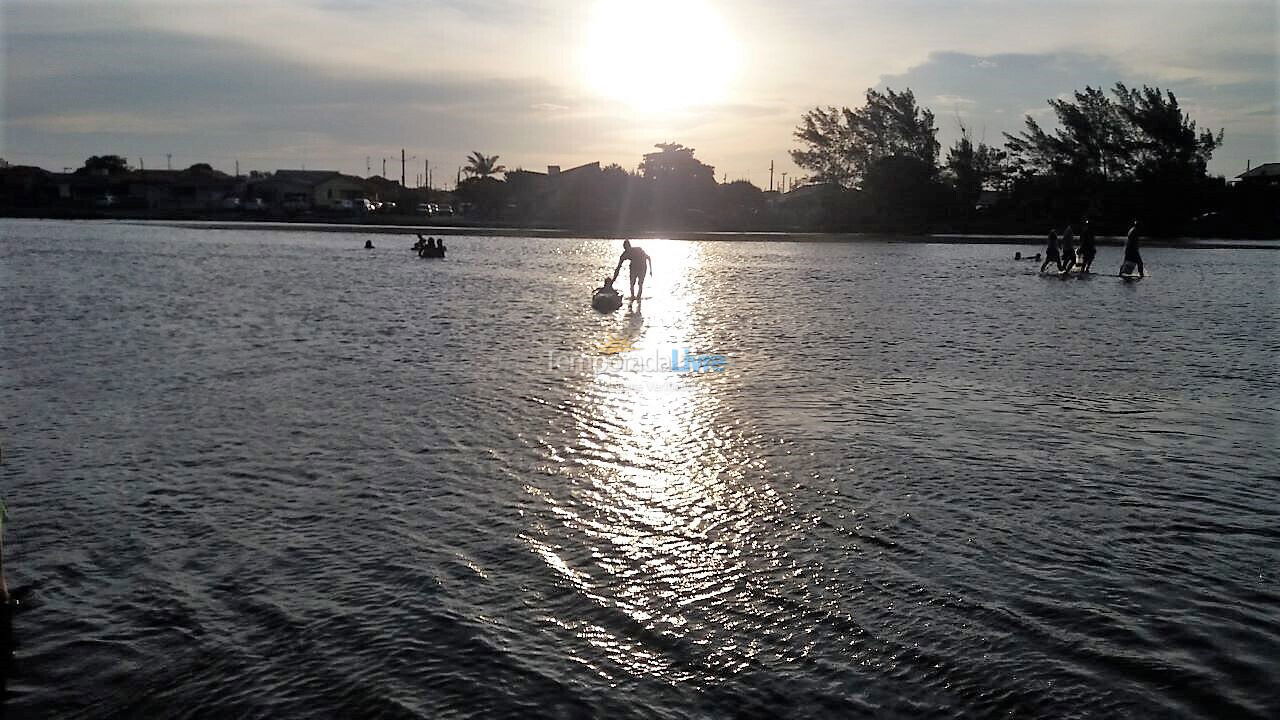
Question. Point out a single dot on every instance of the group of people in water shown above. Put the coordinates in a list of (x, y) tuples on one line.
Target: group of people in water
[(429, 247), (1062, 252)]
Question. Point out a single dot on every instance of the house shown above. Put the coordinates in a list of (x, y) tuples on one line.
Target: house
[(25, 186), (556, 194), (309, 189), (1265, 174), (199, 187), (384, 189)]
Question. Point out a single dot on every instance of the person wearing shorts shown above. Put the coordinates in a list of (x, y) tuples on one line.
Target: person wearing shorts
[(640, 265)]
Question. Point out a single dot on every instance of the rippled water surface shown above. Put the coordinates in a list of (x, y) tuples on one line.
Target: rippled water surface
[(272, 474)]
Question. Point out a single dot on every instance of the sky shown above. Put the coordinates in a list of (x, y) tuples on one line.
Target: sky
[(343, 84)]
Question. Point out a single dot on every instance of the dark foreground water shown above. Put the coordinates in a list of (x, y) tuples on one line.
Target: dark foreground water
[(276, 475)]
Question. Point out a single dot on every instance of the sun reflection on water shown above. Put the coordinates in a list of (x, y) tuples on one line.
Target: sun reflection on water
[(661, 525)]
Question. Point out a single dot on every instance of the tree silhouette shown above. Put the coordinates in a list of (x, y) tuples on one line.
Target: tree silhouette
[(482, 166), (682, 187), (104, 165), (1141, 134), (974, 168), (841, 145)]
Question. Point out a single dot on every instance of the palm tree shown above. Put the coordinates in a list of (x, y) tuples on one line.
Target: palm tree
[(481, 166)]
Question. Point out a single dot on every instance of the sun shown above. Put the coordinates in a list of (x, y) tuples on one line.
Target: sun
[(659, 55)]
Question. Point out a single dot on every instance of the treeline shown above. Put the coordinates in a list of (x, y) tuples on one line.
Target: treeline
[(1131, 154), (1113, 157)]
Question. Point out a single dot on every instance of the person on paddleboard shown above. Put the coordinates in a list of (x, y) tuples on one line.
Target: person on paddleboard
[(1051, 250), (641, 264), (1132, 258), (1067, 249), (1088, 246)]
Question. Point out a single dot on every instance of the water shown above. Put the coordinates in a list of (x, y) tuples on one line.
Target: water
[(272, 474)]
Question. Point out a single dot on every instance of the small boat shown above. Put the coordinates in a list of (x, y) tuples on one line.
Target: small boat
[(606, 300)]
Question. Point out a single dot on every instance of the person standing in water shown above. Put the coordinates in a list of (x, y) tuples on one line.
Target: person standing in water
[(1051, 251), (1067, 251), (1132, 258), (640, 265), (1088, 246)]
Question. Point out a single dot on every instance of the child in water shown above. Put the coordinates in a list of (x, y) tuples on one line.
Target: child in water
[(607, 288)]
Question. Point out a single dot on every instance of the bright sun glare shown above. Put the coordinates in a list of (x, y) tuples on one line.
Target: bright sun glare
[(659, 54)]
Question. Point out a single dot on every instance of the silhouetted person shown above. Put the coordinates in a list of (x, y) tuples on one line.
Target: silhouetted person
[(368, 244), (1088, 246), (640, 265), (440, 248), (1051, 250), (1132, 257), (1067, 252), (421, 243)]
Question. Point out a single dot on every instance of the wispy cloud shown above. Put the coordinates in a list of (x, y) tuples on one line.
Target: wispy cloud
[(341, 80)]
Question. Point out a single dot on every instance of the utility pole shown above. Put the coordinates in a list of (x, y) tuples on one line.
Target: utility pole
[(783, 187), (770, 176), (401, 167), (367, 173), (168, 161), (426, 174), (237, 167), (142, 164)]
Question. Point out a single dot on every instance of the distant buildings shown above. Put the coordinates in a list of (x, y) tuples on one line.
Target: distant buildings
[(309, 190), (200, 188)]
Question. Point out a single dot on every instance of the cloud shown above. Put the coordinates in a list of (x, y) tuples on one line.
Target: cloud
[(341, 80)]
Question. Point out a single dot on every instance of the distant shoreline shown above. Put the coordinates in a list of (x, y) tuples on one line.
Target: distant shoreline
[(688, 235)]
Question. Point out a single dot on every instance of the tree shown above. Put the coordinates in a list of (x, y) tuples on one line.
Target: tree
[(1140, 134), (1091, 140), (485, 195), (683, 187), (974, 168), (482, 166), (1136, 154), (742, 204), (841, 145), (1166, 143), (104, 165), (203, 168)]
